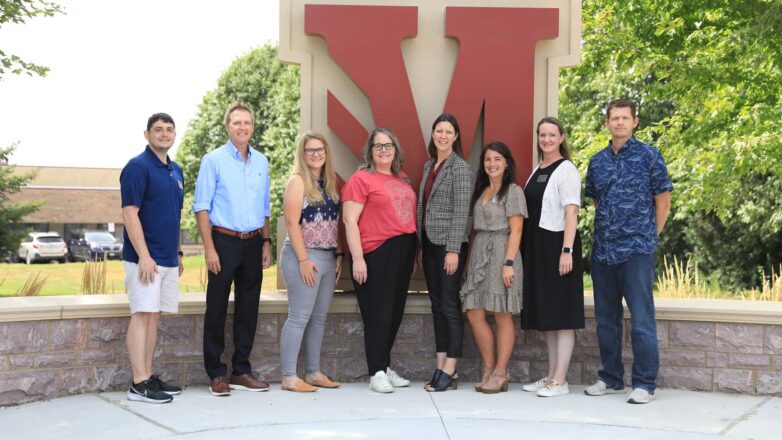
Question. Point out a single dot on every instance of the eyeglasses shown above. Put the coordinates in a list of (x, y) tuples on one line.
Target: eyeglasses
[(387, 147), (315, 151)]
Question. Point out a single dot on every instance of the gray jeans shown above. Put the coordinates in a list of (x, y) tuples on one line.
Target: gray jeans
[(307, 308)]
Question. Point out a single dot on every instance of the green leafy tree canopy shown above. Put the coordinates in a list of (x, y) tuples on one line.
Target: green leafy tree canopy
[(707, 75), (12, 214), (19, 11), (271, 89)]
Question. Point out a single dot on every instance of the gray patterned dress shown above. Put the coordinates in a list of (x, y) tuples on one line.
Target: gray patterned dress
[(484, 288)]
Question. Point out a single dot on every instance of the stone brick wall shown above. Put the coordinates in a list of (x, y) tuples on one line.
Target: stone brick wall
[(51, 358)]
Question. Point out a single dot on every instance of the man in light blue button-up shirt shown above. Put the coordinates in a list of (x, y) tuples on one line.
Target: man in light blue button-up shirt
[(232, 209)]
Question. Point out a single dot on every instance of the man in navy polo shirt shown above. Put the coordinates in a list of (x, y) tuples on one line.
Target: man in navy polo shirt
[(629, 184), (152, 189)]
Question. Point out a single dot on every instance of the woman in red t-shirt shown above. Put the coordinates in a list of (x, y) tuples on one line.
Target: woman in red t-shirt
[(379, 214)]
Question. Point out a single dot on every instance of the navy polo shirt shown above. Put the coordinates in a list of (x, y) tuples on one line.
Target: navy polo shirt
[(624, 184), (158, 190)]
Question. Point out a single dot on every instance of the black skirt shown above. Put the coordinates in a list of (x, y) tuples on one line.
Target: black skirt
[(550, 301)]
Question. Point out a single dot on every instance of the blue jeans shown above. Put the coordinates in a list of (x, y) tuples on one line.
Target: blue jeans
[(632, 280)]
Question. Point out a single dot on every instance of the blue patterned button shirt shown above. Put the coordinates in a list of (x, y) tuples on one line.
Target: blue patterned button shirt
[(624, 185)]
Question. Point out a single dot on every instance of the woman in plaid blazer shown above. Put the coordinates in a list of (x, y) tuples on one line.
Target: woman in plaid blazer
[(443, 208)]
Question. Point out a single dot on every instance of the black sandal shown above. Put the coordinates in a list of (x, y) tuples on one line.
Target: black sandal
[(444, 381), (434, 378)]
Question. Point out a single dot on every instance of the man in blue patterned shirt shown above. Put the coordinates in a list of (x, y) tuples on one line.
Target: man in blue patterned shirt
[(629, 184)]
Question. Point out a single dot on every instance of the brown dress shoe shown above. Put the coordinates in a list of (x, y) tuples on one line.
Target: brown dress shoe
[(321, 380), (219, 387), (247, 382)]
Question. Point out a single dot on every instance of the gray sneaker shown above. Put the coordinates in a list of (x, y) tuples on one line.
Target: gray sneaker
[(600, 388), (640, 395)]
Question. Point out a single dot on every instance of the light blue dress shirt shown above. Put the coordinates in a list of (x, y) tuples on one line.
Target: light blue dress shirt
[(235, 192)]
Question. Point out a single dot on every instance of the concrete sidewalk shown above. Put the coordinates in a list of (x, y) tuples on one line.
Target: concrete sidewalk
[(354, 412)]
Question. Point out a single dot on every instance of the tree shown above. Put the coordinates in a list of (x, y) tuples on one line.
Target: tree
[(19, 11), (271, 89), (12, 214), (708, 77)]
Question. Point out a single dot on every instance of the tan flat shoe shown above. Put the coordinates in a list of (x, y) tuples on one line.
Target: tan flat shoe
[(298, 386), (321, 380)]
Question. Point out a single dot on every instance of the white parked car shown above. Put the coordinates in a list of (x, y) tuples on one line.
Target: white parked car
[(42, 246)]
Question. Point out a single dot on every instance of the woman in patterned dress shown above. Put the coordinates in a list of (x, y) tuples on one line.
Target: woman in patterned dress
[(494, 270), (310, 260)]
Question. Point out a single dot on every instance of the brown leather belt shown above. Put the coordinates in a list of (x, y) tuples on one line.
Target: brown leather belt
[(239, 235)]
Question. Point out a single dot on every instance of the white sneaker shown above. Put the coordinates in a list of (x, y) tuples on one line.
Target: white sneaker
[(600, 388), (534, 386), (379, 383), (553, 389), (640, 395), (395, 379)]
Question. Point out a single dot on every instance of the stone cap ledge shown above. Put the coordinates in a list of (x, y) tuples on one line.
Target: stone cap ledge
[(14, 309)]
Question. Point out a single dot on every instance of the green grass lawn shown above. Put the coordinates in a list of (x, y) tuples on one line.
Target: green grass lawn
[(65, 279)]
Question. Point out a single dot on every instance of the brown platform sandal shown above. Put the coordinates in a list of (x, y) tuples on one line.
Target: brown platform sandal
[(497, 382), (484, 378)]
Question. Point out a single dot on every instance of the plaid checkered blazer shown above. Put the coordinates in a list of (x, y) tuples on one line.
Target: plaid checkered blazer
[(449, 203)]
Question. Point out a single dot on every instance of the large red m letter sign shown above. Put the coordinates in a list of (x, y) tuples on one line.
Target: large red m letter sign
[(493, 65)]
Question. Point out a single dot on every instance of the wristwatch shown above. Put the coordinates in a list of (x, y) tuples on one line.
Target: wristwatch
[(267, 240), (567, 250), (508, 263)]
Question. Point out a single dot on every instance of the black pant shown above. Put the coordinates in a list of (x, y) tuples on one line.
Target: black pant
[(444, 294), (241, 262), (382, 297)]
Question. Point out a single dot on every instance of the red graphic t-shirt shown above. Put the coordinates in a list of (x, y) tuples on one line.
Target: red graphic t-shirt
[(389, 206)]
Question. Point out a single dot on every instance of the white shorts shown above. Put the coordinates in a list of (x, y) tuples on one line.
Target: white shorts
[(162, 295)]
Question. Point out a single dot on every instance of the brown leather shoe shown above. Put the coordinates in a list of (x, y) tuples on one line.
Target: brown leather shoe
[(247, 382), (320, 380), (219, 387)]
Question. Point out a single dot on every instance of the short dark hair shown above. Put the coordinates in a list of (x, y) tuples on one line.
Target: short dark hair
[(159, 117), (621, 103), (457, 144)]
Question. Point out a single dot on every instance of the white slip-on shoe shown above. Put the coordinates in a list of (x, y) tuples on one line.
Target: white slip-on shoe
[(534, 386), (640, 395), (553, 389), (395, 379), (600, 388), (379, 383)]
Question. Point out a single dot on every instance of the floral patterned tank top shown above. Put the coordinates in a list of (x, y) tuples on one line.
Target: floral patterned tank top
[(319, 222)]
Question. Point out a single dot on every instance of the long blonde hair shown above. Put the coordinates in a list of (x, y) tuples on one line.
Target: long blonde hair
[(311, 188)]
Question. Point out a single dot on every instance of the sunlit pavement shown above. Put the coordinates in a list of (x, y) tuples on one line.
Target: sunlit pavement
[(354, 412)]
